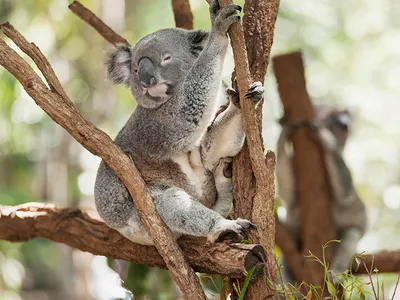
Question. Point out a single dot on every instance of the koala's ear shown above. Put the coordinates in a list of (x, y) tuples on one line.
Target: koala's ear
[(118, 64), (197, 40)]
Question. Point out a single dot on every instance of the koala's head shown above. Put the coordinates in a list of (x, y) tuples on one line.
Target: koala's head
[(337, 120), (157, 64)]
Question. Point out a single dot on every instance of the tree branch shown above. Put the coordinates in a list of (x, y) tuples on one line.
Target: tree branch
[(312, 185), (64, 112), (78, 230), (182, 13), (253, 173), (90, 18)]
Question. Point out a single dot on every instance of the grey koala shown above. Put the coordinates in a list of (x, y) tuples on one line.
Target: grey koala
[(331, 129), (182, 149)]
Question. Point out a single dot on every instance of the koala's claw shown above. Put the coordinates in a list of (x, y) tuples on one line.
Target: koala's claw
[(255, 92), (230, 229), (233, 96)]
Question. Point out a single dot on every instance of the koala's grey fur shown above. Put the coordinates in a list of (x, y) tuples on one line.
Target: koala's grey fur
[(180, 150), (330, 128)]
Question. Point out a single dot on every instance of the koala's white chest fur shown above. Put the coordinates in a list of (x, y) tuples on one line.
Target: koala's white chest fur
[(191, 166)]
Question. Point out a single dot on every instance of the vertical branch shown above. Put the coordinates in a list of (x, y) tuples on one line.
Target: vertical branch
[(182, 13), (253, 174), (312, 185)]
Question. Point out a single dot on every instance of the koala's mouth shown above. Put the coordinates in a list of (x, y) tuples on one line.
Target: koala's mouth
[(157, 91)]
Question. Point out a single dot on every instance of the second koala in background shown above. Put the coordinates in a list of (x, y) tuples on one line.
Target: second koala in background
[(331, 129)]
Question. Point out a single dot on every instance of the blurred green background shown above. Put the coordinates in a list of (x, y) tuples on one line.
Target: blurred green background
[(352, 57)]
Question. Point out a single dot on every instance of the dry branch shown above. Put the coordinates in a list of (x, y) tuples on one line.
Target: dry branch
[(311, 179), (78, 230), (96, 23), (64, 112), (182, 13)]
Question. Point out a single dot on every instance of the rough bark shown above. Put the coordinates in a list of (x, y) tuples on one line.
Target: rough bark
[(77, 229), (253, 174), (312, 186), (60, 108), (97, 24), (182, 13)]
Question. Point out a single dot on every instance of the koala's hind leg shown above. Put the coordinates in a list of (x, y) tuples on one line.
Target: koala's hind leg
[(344, 253), (186, 216)]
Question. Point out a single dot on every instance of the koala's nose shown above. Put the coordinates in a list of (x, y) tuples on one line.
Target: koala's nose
[(147, 72)]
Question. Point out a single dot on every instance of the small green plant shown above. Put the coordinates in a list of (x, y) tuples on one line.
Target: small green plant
[(348, 287)]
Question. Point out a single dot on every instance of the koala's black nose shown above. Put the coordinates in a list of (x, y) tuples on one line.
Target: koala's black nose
[(147, 72)]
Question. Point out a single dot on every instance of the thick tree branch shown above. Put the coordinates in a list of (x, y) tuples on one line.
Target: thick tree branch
[(311, 180), (64, 112), (89, 17), (182, 13), (77, 229), (253, 174)]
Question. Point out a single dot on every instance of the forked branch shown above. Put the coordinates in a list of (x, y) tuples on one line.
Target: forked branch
[(60, 108)]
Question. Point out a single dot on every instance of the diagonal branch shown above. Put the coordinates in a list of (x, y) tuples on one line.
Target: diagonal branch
[(77, 229), (89, 17), (64, 112)]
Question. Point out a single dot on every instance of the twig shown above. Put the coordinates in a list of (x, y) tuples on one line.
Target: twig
[(182, 13), (90, 18), (77, 229), (63, 112)]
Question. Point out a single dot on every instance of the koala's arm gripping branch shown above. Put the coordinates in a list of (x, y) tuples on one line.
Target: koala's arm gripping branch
[(77, 229), (60, 108)]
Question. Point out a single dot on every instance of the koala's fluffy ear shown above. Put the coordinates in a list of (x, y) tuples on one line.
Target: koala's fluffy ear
[(197, 40), (119, 64)]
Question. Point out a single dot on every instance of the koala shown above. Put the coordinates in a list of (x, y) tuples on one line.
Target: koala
[(330, 129), (181, 146)]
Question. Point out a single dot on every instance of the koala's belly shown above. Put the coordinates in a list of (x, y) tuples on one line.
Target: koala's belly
[(180, 172), (200, 182)]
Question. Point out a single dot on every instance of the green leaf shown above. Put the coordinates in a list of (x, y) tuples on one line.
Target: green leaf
[(331, 288), (246, 283)]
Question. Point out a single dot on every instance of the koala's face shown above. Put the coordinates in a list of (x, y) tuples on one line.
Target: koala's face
[(338, 121), (157, 65)]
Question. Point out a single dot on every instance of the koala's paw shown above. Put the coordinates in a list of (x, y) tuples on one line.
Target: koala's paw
[(224, 168), (255, 92), (233, 96), (222, 19), (230, 230)]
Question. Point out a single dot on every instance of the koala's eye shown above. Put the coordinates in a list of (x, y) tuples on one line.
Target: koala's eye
[(166, 58)]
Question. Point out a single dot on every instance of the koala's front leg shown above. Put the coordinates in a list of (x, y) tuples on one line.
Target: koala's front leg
[(225, 136), (284, 168), (202, 84)]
